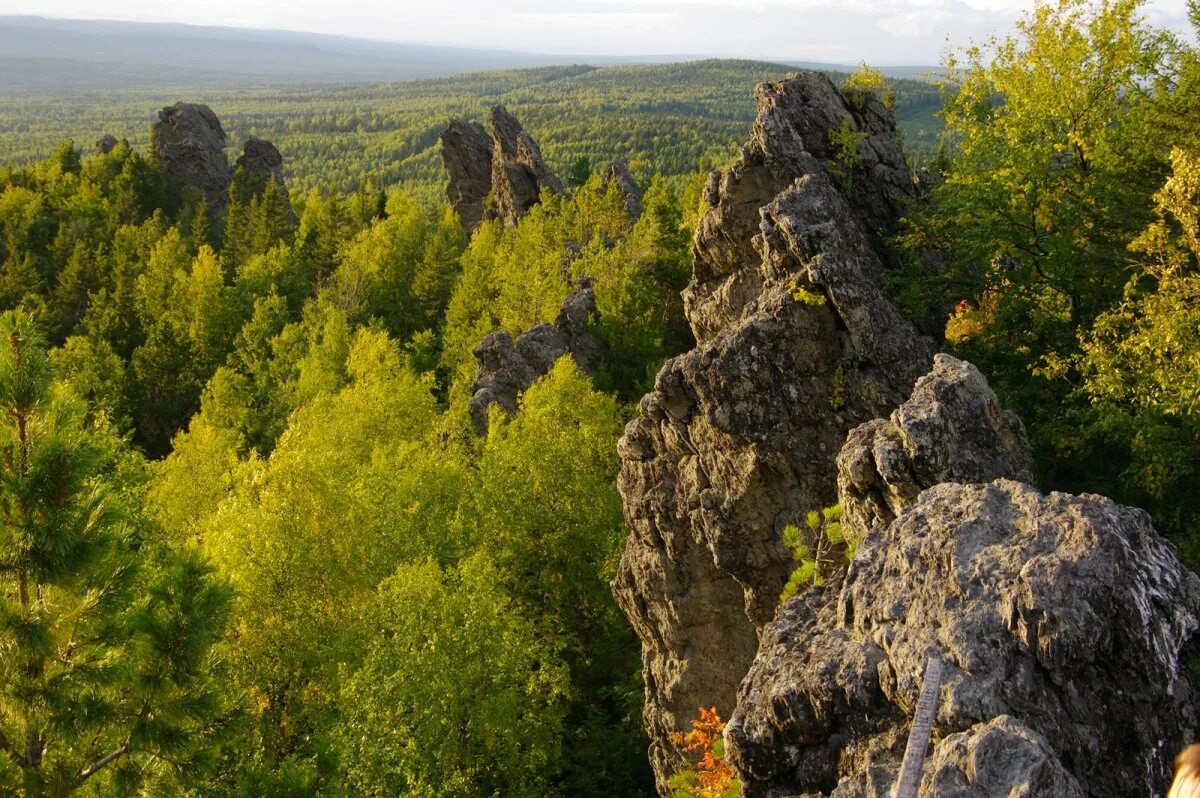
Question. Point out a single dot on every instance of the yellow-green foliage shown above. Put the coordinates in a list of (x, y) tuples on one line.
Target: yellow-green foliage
[(822, 549), (802, 294), (868, 80)]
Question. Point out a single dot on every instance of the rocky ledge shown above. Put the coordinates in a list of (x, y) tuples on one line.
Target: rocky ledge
[(1064, 625)]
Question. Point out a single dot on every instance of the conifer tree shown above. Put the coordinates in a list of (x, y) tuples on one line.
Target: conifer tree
[(105, 639)]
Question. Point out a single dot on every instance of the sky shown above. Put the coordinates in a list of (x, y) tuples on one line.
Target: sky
[(881, 32)]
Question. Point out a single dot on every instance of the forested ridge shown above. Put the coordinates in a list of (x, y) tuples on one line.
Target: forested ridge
[(662, 119), (253, 544)]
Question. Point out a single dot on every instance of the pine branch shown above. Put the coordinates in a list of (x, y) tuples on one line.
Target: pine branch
[(99, 764)]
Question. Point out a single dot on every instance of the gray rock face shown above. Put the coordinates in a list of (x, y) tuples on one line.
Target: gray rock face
[(518, 171), (1064, 624), (493, 177), (951, 430), (796, 346), (261, 159), (467, 158), (507, 367), (189, 142), (106, 143), (618, 172), (799, 120)]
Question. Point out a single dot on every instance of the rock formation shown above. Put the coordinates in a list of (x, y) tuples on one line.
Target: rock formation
[(951, 430), (507, 367), (1064, 625), (518, 172), (497, 177), (190, 144), (106, 143), (618, 172), (467, 158), (796, 346), (261, 159)]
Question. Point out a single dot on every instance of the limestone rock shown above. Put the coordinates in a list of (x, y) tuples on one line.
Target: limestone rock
[(618, 172), (1066, 613), (106, 143), (507, 367), (951, 430), (518, 171), (189, 142), (796, 346), (466, 150)]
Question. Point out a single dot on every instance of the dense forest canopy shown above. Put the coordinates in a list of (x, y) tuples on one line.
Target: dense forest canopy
[(253, 545), (662, 119)]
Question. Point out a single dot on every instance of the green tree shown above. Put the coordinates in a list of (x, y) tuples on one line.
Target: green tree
[(105, 659), (459, 696)]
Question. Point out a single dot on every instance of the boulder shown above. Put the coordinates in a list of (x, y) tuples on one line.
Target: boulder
[(106, 143), (952, 429), (797, 345)]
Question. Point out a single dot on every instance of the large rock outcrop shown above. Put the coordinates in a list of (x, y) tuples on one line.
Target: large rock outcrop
[(505, 368), (796, 346), (500, 176), (467, 158), (1064, 625), (189, 142), (518, 171)]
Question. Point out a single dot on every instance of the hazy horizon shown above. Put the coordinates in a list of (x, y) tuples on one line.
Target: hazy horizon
[(896, 32)]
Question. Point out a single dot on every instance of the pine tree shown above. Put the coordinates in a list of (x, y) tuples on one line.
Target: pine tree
[(105, 666)]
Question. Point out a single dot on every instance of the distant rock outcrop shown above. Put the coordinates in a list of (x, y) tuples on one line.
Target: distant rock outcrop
[(106, 143), (797, 345), (1064, 625), (497, 177), (189, 142), (518, 172), (261, 159), (618, 172), (467, 158), (506, 367)]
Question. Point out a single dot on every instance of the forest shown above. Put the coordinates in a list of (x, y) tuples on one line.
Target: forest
[(252, 543), (661, 119)]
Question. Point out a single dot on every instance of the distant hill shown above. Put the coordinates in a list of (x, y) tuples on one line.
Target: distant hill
[(42, 53)]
